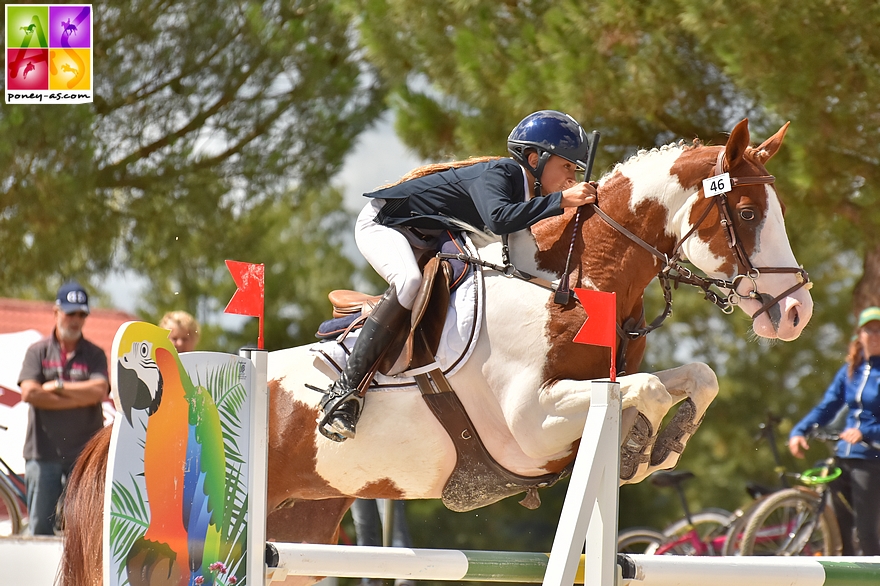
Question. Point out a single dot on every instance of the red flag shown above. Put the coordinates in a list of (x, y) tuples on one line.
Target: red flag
[(600, 329), (248, 297)]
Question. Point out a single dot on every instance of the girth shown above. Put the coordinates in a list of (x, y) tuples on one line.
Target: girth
[(477, 479)]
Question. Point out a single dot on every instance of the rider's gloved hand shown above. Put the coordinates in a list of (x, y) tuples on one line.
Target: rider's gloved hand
[(578, 195)]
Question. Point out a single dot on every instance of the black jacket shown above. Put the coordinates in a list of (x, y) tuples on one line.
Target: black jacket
[(488, 195)]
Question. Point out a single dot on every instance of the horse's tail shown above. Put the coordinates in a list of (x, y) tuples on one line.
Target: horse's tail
[(437, 167), (82, 557)]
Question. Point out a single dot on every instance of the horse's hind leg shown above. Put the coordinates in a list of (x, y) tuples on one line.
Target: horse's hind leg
[(695, 386)]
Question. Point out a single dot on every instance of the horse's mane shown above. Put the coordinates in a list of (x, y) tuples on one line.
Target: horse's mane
[(645, 153), (432, 168)]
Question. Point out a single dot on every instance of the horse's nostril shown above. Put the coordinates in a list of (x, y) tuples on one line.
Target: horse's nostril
[(797, 319)]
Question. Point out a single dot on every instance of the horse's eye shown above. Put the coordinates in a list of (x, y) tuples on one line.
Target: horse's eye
[(747, 214)]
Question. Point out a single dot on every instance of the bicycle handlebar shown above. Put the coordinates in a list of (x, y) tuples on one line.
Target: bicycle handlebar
[(815, 432)]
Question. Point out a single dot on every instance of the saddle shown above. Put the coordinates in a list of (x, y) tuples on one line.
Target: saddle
[(351, 308)]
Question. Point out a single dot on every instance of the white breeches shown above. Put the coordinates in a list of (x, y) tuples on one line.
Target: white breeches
[(388, 251)]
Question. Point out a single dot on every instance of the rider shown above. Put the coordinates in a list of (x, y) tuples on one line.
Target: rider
[(502, 195)]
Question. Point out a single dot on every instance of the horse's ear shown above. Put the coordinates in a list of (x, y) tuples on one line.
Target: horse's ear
[(737, 143), (769, 147)]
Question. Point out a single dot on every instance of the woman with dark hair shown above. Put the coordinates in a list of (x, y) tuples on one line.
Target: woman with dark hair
[(857, 386)]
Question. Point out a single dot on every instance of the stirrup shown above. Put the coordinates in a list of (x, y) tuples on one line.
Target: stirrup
[(333, 410)]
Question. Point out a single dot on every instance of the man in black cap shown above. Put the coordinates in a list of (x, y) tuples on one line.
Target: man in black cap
[(64, 379)]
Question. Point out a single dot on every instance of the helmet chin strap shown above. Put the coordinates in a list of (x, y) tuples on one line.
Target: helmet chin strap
[(538, 170)]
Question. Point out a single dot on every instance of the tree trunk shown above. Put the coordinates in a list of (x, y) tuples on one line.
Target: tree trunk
[(867, 290)]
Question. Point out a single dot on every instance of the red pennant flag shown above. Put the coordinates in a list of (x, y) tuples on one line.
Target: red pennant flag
[(600, 329), (248, 297)]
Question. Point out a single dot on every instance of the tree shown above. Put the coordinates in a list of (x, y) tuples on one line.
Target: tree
[(212, 123), (645, 73)]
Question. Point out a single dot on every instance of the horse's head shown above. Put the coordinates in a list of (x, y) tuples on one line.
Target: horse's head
[(739, 236)]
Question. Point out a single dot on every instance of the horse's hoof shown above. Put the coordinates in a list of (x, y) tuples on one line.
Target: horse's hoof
[(670, 438), (632, 452)]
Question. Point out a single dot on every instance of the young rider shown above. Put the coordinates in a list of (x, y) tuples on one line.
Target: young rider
[(500, 195)]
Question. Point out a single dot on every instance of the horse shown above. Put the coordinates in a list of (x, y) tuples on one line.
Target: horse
[(525, 385)]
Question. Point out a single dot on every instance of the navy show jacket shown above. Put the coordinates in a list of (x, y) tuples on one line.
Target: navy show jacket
[(489, 195)]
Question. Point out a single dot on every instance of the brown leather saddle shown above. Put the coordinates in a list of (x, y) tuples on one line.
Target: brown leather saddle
[(477, 479)]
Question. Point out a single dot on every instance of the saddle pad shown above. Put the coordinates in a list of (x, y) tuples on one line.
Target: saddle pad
[(460, 333)]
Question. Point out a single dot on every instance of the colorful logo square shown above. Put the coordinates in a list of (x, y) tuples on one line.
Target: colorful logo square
[(49, 54), (70, 26), (28, 69)]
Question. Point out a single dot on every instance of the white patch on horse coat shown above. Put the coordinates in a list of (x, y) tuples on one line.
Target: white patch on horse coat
[(652, 180)]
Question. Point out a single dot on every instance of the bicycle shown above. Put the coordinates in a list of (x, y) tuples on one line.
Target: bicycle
[(702, 533), (798, 520), (756, 491), (13, 500)]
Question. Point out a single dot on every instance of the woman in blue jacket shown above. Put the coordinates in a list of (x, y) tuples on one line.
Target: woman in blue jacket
[(856, 385), (501, 195)]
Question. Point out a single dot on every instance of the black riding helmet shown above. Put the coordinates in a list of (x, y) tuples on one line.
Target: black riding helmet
[(548, 132)]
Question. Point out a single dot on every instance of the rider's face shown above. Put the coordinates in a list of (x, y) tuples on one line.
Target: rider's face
[(559, 174)]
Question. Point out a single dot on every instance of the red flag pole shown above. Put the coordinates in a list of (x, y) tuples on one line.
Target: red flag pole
[(260, 336), (613, 363), (248, 298), (600, 329)]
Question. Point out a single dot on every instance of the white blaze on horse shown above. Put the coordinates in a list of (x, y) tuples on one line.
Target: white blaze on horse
[(525, 385)]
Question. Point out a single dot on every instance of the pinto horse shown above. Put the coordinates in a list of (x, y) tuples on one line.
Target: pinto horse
[(525, 385)]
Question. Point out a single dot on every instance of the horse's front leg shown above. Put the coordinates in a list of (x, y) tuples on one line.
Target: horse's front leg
[(644, 402), (695, 386)]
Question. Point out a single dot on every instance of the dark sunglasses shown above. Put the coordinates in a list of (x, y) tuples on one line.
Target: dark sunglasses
[(81, 314)]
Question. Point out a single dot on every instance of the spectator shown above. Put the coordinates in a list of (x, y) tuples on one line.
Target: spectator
[(64, 380), (856, 385), (184, 330)]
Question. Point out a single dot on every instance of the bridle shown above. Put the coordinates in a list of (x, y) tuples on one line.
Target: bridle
[(672, 270)]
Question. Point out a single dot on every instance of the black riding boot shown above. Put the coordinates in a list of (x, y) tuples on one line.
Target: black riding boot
[(342, 405)]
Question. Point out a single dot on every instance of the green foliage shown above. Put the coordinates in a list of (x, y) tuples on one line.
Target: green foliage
[(213, 125)]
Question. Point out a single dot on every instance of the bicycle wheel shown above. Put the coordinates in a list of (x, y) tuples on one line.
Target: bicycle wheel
[(711, 525), (786, 523), (639, 540), (10, 518)]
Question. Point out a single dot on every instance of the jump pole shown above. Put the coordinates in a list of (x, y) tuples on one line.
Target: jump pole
[(516, 567)]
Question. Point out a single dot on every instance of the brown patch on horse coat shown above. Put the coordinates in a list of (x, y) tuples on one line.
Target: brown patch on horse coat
[(293, 450), (308, 521), (381, 489)]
